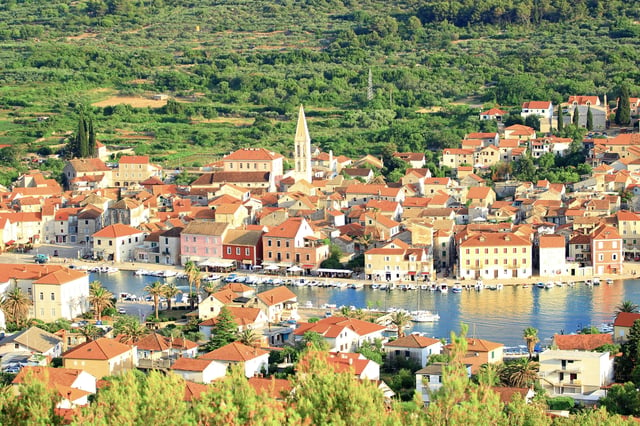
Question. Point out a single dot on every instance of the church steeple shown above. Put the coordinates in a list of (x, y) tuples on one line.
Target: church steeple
[(302, 146)]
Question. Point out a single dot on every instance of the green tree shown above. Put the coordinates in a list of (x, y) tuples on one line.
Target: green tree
[(589, 118), (15, 304), (100, 298), (373, 351), (560, 120), (249, 337), (170, 291), (129, 328), (623, 112), (622, 399), (400, 320), (626, 306), (90, 331), (34, 403), (194, 278), (628, 361), (576, 116), (155, 290), (521, 373), (224, 331)]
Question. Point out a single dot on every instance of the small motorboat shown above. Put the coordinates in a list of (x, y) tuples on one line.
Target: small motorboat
[(443, 288), (479, 285), (549, 285), (424, 316), (596, 281), (457, 288), (609, 281), (540, 285)]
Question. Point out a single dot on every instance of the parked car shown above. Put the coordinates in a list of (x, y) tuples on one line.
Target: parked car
[(41, 258)]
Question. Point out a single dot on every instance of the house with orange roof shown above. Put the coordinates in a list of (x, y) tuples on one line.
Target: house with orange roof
[(479, 352), (361, 193), (389, 209), (324, 164), (279, 304), (235, 215), (244, 247), (552, 255), (416, 177), (293, 242), (158, 351), (396, 262), (487, 157), (24, 228), (416, 160), (456, 157), (414, 347), (519, 132), (342, 334), (606, 250), (87, 173), (629, 229), (542, 109), (245, 318), (89, 221), (494, 255), (72, 386), (622, 325), (472, 144), (198, 370), (134, 169), (127, 211), (35, 185), (62, 225), (369, 160), (355, 363), (487, 138), (493, 114), (482, 196), (254, 360), (210, 306), (101, 357), (116, 242)]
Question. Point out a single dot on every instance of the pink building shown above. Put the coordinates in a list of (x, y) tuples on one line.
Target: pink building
[(201, 240)]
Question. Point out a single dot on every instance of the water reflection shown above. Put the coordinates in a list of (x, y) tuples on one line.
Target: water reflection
[(494, 315)]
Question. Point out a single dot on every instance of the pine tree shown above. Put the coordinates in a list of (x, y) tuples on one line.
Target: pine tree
[(589, 118), (576, 116), (225, 330), (623, 113), (93, 145)]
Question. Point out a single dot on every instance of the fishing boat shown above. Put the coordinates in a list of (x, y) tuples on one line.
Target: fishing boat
[(443, 288), (609, 281), (596, 281), (540, 285), (548, 285), (375, 286), (424, 316), (457, 288), (479, 285)]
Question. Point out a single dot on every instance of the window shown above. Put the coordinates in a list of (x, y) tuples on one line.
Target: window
[(270, 254), (495, 251), (614, 257), (228, 250), (468, 251), (99, 242), (486, 251), (277, 243), (601, 257), (247, 252), (53, 296), (524, 249), (286, 244), (477, 251), (504, 250), (515, 250), (387, 258), (269, 243), (110, 243), (468, 262), (524, 261), (238, 251), (41, 296)]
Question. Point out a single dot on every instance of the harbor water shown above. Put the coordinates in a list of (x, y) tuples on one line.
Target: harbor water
[(496, 315)]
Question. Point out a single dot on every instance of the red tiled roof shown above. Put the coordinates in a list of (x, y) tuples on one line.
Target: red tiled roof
[(626, 319), (99, 349), (134, 159), (331, 327), (581, 342), (274, 388), (276, 295), (252, 154), (191, 364), (236, 352), (413, 341), (552, 241), (116, 231), (536, 105)]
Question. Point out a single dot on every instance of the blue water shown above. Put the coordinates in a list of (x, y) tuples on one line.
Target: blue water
[(499, 316)]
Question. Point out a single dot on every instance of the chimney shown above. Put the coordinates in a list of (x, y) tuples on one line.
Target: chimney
[(350, 361)]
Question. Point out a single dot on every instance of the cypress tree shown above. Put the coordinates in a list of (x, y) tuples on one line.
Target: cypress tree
[(93, 149), (623, 113), (576, 117), (589, 118), (560, 119)]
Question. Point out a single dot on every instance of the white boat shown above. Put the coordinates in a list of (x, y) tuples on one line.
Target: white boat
[(424, 287), (499, 287), (588, 283), (141, 272), (540, 285), (596, 281), (548, 285), (375, 286), (108, 269), (383, 287), (424, 316), (169, 273), (609, 281), (308, 304), (457, 288), (559, 284), (443, 288), (479, 285)]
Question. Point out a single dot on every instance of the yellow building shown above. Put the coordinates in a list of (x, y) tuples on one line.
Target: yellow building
[(397, 261), (101, 357), (133, 169), (494, 255)]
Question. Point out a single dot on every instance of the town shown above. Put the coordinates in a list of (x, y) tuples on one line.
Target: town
[(319, 217)]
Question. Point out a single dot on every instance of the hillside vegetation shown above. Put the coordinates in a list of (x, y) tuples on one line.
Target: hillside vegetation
[(235, 71)]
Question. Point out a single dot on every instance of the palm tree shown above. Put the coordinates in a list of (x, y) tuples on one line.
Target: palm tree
[(249, 337), (626, 306), (171, 291), (16, 304), (132, 331), (156, 290), (400, 319), (210, 287), (90, 332), (100, 298), (521, 373), (193, 276), (530, 336)]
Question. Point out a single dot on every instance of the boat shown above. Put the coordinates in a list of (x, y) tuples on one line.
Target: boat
[(457, 288), (540, 285), (596, 281), (141, 272), (525, 285), (559, 284), (308, 304), (424, 287), (548, 285), (375, 286), (609, 281), (588, 283), (108, 269), (479, 285), (169, 273), (383, 287), (571, 284), (443, 288), (499, 287), (424, 316), (355, 286)]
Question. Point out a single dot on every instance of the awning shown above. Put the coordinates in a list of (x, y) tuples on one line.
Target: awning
[(411, 272), (308, 266), (10, 242), (425, 273), (246, 262), (271, 267), (294, 268)]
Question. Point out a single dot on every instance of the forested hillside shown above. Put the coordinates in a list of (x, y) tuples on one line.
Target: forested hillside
[(238, 69)]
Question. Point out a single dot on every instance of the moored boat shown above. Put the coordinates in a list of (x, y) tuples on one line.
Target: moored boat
[(424, 316), (443, 288), (457, 288)]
